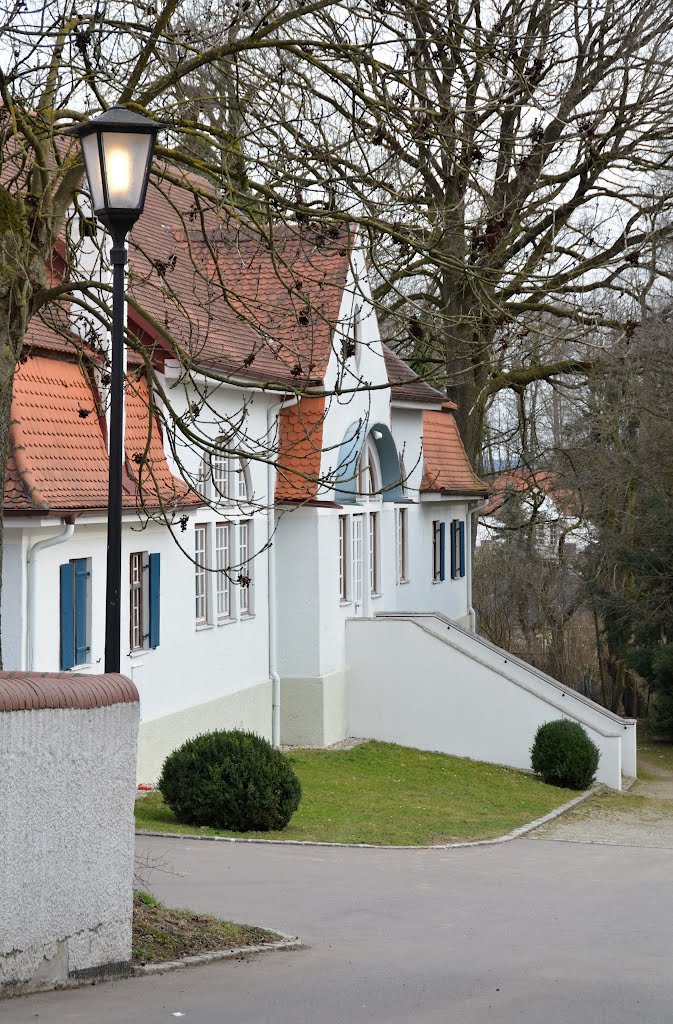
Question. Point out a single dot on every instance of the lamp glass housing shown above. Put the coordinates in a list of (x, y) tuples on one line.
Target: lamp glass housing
[(117, 147)]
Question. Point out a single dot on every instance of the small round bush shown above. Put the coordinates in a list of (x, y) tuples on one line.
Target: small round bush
[(230, 780), (564, 755)]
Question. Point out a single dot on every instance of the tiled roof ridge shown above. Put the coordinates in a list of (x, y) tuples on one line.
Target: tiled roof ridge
[(38, 691)]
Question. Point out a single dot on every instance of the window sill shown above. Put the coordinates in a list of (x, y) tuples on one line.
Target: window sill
[(247, 615), (375, 596), (139, 652), (200, 626), (83, 667), (229, 621), (402, 582), (344, 604)]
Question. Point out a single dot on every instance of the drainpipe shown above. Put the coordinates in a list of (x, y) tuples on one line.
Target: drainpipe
[(272, 417), (40, 545), (472, 615)]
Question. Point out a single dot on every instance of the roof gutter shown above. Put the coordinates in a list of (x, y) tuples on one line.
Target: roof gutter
[(33, 550)]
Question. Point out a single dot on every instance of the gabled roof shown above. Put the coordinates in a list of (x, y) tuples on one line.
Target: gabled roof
[(407, 386), (446, 467), (58, 457), (253, 305)]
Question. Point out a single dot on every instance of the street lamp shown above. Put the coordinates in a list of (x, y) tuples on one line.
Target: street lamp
[(117, 147)]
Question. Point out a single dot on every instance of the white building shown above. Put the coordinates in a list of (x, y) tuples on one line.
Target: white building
[(534, 506), (336, 491)]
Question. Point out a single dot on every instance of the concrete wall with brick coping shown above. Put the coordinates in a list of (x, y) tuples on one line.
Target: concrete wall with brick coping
[(67, 780)]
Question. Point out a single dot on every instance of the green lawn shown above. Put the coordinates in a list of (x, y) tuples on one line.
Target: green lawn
[(384, 794)]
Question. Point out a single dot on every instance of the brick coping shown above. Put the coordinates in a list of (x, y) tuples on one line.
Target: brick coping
[(37, 691)]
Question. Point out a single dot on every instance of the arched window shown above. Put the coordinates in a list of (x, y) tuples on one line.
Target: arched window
[(369, 473)]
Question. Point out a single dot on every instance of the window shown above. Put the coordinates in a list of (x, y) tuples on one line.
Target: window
[(242, 481), (219, 475), (402, 557), (343, 558), (457, 549), (223, 551), (357, 558), (229, 479), (136, 601), (438, 530), (144, 589), (200, 567), (368, 480), (374, 552), (245, 570), (75, 613)]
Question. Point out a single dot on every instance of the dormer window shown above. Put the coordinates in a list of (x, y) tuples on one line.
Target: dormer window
[(225, 479), (368, 472)]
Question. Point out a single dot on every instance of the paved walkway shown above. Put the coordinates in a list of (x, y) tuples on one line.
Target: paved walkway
[(521, 933), (643, 816)]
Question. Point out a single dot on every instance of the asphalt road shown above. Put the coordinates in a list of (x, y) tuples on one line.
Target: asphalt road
[(529, 931)]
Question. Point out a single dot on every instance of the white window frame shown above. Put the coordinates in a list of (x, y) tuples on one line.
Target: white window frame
[(201, 574), (224, 599), (245, 542), (374, 554), (402, 545), (344, 560), (357, 539), (138, 600)]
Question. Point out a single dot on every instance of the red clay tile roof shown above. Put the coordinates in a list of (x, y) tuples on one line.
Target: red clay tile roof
[(446, 467), (33, 691), (257, 310), (58, 457), (300, 450), (523, 481), (407, 385)]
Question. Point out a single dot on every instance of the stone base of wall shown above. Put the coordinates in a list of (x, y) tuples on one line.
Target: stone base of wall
[(245, 709), (314, 711)]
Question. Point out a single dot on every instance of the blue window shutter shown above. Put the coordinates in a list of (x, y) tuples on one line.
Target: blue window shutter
[(454, 549), (81, 590), (461, 532), (442, 558), (155, 607), (67, 627)]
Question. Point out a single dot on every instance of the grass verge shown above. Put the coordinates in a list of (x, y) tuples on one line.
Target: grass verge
[(388, 795), (160, 933), (651, 752)]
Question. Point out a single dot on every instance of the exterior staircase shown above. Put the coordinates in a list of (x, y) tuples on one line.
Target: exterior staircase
[(422, 680)]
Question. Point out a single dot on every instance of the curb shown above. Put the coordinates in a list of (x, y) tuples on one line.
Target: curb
[(219, 954), (515, 834)]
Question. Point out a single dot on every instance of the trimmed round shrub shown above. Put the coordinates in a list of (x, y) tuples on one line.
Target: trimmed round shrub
[(230, 780), (564, 755)]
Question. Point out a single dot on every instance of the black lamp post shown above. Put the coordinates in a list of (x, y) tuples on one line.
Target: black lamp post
[(117, 147)]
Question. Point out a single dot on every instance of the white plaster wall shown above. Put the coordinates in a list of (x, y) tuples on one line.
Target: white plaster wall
[(409, 685), (67, 780), (249, 709), (192, 665), (359, 402)]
